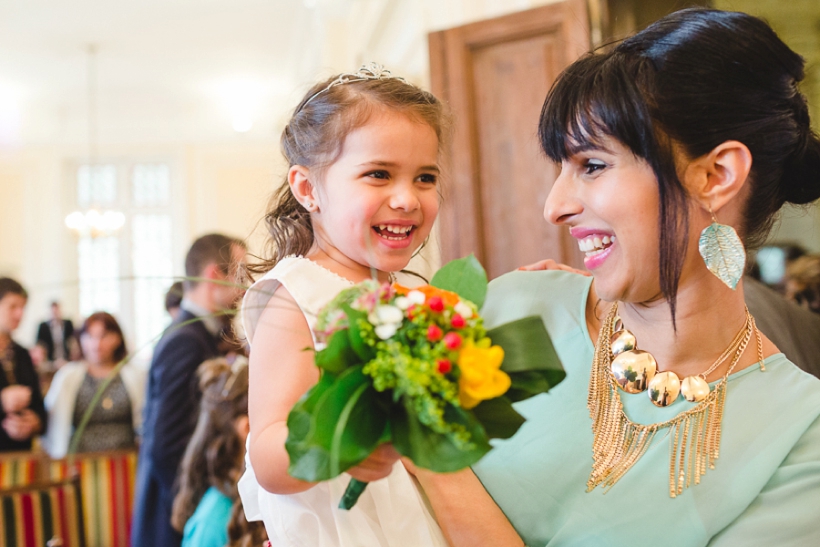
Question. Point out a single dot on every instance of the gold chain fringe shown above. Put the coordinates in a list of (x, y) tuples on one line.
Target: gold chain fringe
[(694, 435)]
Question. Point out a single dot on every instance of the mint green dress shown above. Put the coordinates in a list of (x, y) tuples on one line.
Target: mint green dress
[(764, 490)]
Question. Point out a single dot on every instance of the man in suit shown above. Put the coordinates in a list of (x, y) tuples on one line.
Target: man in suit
[(172, 402), (55, 335), (22, 413)]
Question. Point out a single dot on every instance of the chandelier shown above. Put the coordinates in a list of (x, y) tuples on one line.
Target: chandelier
[(94, 222)]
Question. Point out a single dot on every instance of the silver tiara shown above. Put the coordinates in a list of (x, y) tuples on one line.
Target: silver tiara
[(370, 71)]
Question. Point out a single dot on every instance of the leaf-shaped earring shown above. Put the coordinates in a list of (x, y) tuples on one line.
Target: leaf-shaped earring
[(723, 252)]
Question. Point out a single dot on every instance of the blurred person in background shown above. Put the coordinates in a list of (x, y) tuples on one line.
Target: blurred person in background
[(55, 336), (803, 282), (22, 413), (173, 298), (214, 459), (172, 400), (116, 419)]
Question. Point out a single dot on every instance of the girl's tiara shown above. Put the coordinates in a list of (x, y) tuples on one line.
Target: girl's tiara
[(370, 71)]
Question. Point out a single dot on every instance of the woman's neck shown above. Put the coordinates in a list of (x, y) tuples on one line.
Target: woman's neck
[(708, 316), (5, 341), (100, 369)]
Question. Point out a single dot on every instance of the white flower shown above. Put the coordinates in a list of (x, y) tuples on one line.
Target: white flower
[(402, 302), (389, 314), (387, 330), (463, 309), (416, 297)]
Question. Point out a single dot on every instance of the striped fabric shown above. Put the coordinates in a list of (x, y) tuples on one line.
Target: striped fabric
[(107, 483), (19, 469), (40, 515)]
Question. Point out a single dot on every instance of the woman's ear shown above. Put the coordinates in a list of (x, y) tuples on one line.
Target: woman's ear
[(714, 179), (302, 187)]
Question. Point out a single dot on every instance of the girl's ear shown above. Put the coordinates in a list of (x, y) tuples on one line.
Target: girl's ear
[(302, 188), (714, 179)]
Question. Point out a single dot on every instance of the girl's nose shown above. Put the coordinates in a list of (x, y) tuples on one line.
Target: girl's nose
[(562, 204), (404, 198)]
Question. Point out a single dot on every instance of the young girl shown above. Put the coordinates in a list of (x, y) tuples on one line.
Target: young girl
[(213, 459), (360, 198)]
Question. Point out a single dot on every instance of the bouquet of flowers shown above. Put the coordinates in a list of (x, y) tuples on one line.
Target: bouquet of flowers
[(417, 368)]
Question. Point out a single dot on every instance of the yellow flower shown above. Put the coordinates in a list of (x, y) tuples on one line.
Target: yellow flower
[(481, 374)]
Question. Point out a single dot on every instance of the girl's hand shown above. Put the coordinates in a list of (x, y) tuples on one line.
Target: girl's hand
[(377, 466), (550, 264)]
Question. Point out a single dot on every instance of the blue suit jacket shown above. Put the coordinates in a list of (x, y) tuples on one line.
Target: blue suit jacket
[(171, 410)]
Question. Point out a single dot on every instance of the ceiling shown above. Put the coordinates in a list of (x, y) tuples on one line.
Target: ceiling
[(169, 70)]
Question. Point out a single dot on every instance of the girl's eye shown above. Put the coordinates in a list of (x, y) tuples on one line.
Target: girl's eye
[(383, 175), (591, 166), (428, 178)]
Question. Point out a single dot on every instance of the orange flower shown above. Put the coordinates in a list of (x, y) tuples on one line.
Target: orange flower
[(450, 298)]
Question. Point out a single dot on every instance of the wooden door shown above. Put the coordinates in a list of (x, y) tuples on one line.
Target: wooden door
[(495, 75)]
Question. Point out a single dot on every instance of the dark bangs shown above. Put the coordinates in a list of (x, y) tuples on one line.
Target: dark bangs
[(595, 97), (612, 95)]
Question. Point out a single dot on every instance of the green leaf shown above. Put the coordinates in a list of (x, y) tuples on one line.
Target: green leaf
[(356, 427), (338, 355), (465, 277), (363, 351), (432, 450), (529, 357), (499, 418)]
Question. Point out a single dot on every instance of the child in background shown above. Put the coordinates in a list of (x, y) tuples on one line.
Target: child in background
[(360, 199), (213, 459)]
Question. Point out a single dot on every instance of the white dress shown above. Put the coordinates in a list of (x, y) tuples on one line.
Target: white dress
[(391, 512)]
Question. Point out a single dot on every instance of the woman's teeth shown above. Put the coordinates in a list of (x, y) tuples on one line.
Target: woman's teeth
[(392, 232), (594, 245)]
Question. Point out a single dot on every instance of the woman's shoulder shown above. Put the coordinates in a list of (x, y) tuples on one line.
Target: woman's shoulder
[(558, 296)]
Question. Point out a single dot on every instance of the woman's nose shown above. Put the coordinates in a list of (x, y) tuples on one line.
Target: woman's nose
[(562, 204)]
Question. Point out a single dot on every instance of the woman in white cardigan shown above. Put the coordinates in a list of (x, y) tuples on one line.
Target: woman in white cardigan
[(116, 420)]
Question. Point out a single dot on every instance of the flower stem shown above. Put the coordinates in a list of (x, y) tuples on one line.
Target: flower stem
[(354, 489)]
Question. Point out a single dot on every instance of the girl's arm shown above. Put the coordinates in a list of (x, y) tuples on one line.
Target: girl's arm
[(281, 371), (467, 514)]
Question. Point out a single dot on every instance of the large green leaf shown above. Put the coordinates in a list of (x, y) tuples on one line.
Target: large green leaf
[(465, 277), (499, 418), (338, 354), (345, 408), (432, 450), (529, 357), (363, 351)]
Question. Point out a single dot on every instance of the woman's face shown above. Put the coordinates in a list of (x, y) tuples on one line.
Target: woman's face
[(99, 344), (609, 199)]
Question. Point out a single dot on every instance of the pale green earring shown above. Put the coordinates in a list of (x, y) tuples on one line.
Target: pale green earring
[(723, 252)]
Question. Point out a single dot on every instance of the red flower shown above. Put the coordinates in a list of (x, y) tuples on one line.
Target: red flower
[(436, 304), (452, 340), (457, 322), (444, 366), (434, 333)]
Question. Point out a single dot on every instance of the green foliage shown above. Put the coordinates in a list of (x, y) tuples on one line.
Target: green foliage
[(465, 277)]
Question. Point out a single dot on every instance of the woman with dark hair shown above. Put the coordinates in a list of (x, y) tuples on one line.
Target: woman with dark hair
[(677, 149), (115, 421)]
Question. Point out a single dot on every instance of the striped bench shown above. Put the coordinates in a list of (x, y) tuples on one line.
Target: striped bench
[(107, 483), (20, 469), (43, 514)]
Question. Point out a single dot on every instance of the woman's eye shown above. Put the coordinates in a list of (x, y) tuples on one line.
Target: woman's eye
[(428, 178), (591, 166)]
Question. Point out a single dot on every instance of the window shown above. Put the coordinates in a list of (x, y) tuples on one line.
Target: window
[(127, 273)]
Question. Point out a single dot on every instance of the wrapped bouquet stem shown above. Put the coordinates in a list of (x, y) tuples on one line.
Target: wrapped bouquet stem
[(418, 369)]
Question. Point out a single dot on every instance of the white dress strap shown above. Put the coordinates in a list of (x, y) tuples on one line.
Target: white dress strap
[(392, 512)]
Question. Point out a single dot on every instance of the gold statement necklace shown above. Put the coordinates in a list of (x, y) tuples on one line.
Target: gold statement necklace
[(694, 434)]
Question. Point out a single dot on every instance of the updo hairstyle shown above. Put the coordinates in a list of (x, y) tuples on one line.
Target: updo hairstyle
[(696, 78)]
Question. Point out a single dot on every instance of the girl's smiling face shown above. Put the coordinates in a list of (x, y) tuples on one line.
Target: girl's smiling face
[(609, 199), (376, 203)]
